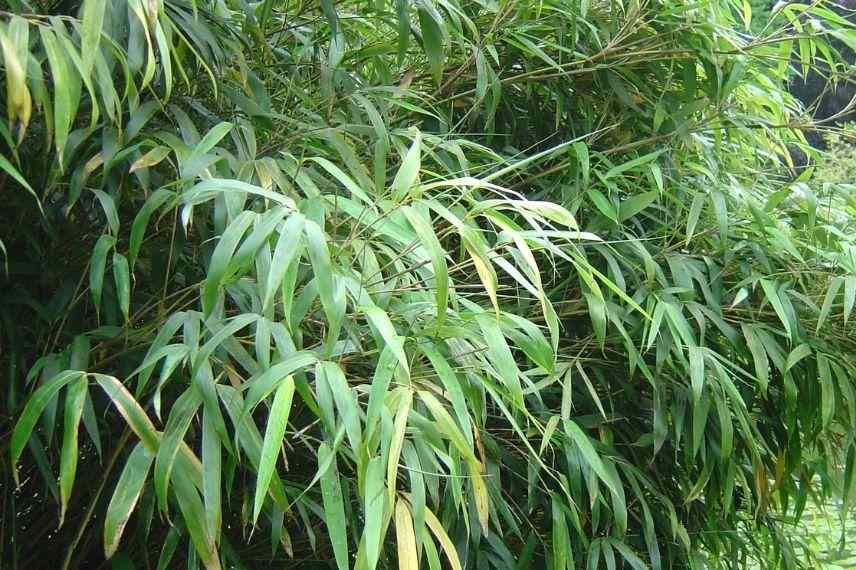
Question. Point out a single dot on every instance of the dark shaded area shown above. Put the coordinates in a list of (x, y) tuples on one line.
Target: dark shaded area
[(825, 98)]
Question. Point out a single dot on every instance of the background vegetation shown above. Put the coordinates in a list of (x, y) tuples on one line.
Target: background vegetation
[(420, 284)]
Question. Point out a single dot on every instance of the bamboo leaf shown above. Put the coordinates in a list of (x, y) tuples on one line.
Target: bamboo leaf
[(445, 542), (636, 204), (122, 277), (374, 511), (74, 401), (151, 158), (773, 297), (828, 299), (408, 173), (381, 322), (93, 20), (405, 538), (277, 422), (125, 497), (334, 509), (35, 405), (399, 427), (130, 410), (97, 266)]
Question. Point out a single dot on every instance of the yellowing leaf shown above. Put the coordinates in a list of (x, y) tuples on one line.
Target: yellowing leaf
[(405, 538)]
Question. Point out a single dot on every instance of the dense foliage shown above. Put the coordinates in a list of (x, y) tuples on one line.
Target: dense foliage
[(452, 283)]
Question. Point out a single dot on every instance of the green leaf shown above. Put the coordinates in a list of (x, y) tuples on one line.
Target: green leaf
[(448, 427), (319, 255), (582, 152), (74, 400), (383, 372), (773, 297), (694, 214), (181, 415), (122, 277), (408, 173), (221, 258), (591, 456), (346, 180), (334, 506), (141, 221), (211, 474), (849, 296), (636, 204), (425, 232), (130, 410), (277, 422), (381, 322), (261, 386), (602, 203), (125, 497), (562, 558), (374, 511), (97, 266), (432, 38), (332, 376), (797, 354), (831, 293), (439, 532), (697, 371), (597, 314), (632, 559), (193, 513), (398, 432), (211, 139), (35, 405), (66, 98), (632, 164), (499, 355), (827, 391), (108, 205), (485, 270), (92, 15), (759, 356)]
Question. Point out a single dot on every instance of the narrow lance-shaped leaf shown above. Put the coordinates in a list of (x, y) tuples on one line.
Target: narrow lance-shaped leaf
[(93, 19), (277, 422), (35, 405), (180, 417), (426, 234), (130, 410), (382, 323), (125, 497), (773, 297), (334, 508), (221, 258), (288, 247), (445, 542), (193, 513), (74, 400), (211, 476), (97, 265), (405, 538), (374, 511), (122, 277), (399, 427), (408, 172), (432, 38), (141, 221), (828, 300)]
